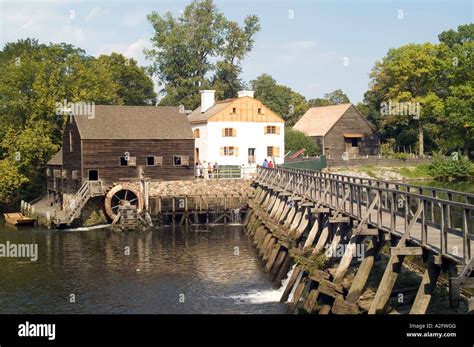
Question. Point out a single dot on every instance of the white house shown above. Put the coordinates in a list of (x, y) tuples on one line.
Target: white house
[(239, 131)]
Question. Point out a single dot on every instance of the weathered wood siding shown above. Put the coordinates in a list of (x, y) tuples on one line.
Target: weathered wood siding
[(104, 155), (71, 160), (50, 179), (351, 122)]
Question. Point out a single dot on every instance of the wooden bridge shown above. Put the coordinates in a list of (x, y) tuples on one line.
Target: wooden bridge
[(434, 223)]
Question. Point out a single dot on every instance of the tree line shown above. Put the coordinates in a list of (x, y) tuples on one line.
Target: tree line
[(202, 49)]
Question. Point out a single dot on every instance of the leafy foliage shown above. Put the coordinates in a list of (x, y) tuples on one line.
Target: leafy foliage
[(453, 167), (199, 49), (296, 140), (282, 100), (33, 78)]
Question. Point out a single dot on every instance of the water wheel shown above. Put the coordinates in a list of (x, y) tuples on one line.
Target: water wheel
[(122, 194)]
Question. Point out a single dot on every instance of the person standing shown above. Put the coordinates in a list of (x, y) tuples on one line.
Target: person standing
[(209, 170), (270, 164), (197, 172), (265, 163)]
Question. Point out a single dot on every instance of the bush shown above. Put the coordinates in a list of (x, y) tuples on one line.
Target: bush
[(454, 167), (296, 140)]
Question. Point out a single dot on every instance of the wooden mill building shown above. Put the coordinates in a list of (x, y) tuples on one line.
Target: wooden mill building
[(122, 143), (339, 129)]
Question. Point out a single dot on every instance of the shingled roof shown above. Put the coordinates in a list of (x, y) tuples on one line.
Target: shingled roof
[(56, 159), (197, 117), (317, 121), (134, 123)]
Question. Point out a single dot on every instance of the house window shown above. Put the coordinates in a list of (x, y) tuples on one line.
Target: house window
[(70, 141), (259, 110), (154, 161), (355, 142), (272, 129), (234, 110), (197, 133), (48, 172), (229, 132), (229, 151), (181, 160), (64, 174), (150, 161), (57, 173), (273, 151), (128, 161), (75, 174)]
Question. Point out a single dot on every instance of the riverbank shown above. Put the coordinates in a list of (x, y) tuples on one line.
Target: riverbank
[(391, 173)]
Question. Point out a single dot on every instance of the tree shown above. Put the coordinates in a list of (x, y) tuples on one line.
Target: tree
[(135, 87), (296, 140), (406, 75), (33, 78), (336, 97), (199, 49), (282, 100)]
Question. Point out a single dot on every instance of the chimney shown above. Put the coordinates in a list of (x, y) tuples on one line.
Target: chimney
[(243, 93), (207, 99)]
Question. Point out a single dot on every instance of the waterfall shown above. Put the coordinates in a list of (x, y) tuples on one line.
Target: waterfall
[(235, 217), (265, 296)]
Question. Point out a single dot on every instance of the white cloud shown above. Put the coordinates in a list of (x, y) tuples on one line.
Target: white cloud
[(133, 50)]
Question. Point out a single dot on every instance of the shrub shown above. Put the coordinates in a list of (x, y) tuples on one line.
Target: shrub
[(453, 167), (296, 140)]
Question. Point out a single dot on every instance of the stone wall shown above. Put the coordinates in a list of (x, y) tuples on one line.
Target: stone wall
[(201, 187)]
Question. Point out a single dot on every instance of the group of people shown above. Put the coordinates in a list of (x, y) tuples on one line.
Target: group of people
[(206, 170), (268, 163)]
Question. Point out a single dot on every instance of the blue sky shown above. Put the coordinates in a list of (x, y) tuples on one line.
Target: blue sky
[(303, 44)]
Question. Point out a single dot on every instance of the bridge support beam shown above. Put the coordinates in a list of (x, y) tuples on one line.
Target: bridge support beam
[(426, 289)]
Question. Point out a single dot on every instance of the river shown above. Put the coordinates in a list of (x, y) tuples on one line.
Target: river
[(194, 270)]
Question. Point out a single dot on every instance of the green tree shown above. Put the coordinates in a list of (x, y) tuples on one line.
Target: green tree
[(296, 140), (336, 97), (282, 100), (135, 87), (199, 49)]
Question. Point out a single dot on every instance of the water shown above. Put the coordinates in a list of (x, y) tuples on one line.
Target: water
[(191, 270)]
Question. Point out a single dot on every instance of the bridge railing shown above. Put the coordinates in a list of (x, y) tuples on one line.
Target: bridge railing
[(437, 219)]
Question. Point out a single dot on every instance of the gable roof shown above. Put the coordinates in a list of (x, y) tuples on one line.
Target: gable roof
[(56, 159), (219, 106), (197, 117), (317, 121), (134, 123)]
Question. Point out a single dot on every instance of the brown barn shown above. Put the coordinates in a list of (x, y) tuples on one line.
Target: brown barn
[(118, 143), (338, 129)]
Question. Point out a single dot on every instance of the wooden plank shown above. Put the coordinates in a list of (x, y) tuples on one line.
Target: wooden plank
[(406, 251), (426, 289), (363, 272), (291, 282)]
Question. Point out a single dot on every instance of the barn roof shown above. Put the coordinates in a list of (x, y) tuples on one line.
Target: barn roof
[(196, 116), (56, 159), (317, 121), (134, 123)]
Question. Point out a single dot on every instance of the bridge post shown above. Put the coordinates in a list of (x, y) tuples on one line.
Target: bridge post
[(426, 289)]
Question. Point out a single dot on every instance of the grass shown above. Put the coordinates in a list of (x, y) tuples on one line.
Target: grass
[(420, 171)]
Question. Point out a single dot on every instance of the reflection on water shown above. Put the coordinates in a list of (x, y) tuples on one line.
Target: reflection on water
[(167, 271)]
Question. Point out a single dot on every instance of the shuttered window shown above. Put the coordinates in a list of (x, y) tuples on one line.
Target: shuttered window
[(229, 132), (272, 129), (181, 160), (273, 151), (197, 133), (128, 161), (230, 151)]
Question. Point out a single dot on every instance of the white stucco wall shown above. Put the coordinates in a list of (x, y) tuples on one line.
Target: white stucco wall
[(249, 135)]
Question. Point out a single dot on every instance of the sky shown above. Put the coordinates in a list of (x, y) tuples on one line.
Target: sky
[(314, 47)]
